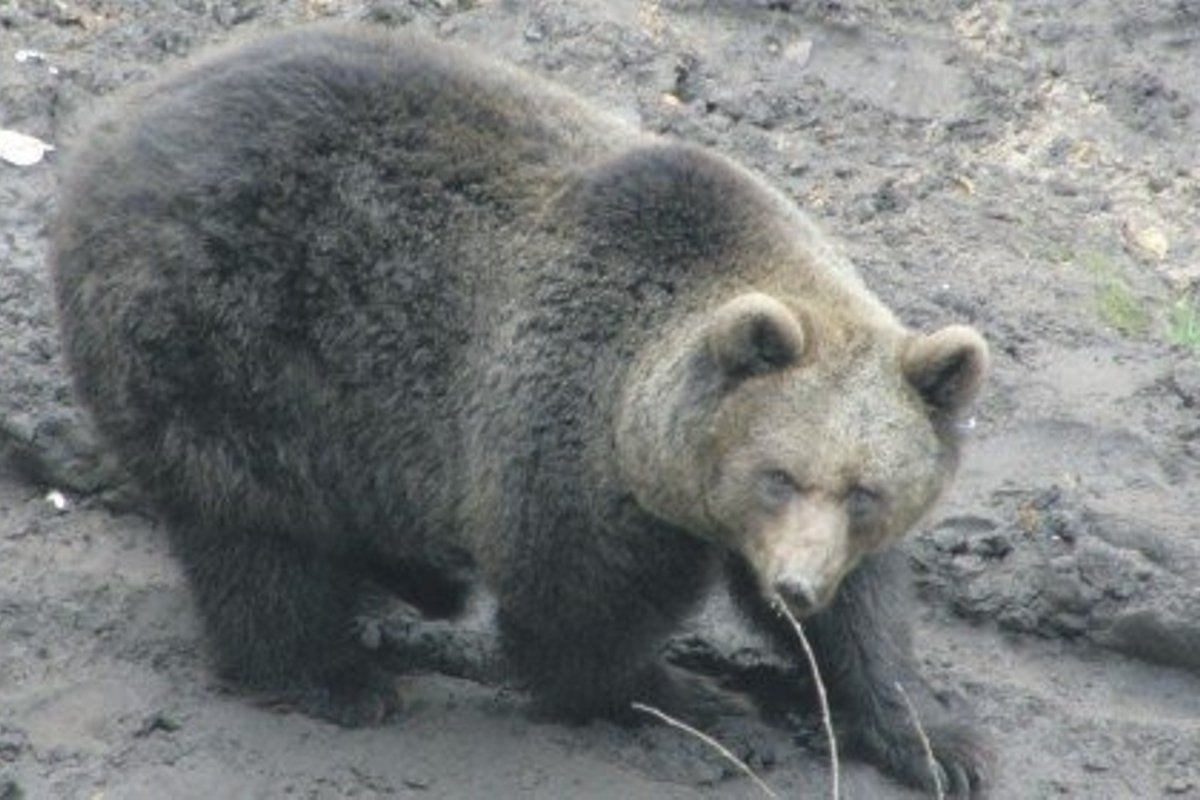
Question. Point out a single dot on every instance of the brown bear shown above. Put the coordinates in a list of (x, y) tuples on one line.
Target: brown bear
[(362, 310)]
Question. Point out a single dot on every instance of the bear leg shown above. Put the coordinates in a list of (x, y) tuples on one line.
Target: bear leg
[(583, 624), (281, 619), (863, 647)]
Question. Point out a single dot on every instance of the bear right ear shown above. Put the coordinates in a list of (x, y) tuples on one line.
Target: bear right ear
[(754, 334)]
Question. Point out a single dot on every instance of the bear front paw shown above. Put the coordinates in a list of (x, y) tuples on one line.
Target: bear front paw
[(691, 697), (961, 765)]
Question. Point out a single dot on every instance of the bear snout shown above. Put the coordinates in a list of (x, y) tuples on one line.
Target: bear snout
[(799, 595), (802, 553)]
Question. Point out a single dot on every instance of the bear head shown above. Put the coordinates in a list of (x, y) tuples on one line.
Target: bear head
[(800, 434)]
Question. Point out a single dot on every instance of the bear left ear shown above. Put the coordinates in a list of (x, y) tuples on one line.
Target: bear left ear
[(946, 367), (754, 334)]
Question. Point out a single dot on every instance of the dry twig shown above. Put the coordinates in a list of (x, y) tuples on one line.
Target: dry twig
[(822, 698), (711, 742)]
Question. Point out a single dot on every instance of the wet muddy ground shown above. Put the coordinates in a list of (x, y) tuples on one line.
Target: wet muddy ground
[(1030, 168)]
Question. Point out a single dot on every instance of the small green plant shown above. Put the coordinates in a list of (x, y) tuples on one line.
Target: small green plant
[(1120, 309), (1183, 323), (1096, 263), (1115, 301)]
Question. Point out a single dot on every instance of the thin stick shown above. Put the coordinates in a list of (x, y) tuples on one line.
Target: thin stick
[(822, 697), (711, 742), (916, 721)]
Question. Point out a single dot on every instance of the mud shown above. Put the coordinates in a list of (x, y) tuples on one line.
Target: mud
[(1028, 167)]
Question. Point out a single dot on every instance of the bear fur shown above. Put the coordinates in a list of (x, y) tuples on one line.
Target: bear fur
[(360, 310)]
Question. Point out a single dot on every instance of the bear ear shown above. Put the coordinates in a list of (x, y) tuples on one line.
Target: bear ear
[(946, 367), (754, 334)]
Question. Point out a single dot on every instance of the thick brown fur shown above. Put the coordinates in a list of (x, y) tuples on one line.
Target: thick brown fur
[(361, 310)]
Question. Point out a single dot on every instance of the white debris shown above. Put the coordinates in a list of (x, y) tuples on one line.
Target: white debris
[(35, 57), (799, 52), (57, 499), (1147, 241), (20, 149)]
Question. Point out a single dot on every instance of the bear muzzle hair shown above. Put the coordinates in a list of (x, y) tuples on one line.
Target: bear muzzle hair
[(802, 553)]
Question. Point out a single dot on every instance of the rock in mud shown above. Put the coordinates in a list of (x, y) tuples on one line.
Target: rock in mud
[(1049, 564)]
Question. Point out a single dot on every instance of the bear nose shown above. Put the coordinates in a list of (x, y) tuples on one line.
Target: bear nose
[(799, 595)]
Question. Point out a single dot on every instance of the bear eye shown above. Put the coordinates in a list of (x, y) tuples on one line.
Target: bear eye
[(778, 485), (863, 503)]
